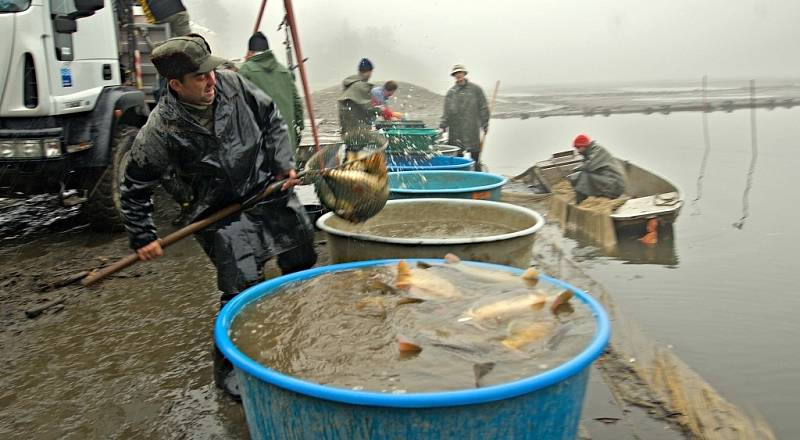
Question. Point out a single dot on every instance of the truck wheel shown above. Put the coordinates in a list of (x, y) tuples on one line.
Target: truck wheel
[(103, 207)]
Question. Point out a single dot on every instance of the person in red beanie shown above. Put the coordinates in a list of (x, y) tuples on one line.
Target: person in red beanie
[(599, 175)]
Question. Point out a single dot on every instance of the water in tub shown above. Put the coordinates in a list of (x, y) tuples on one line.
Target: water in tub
[(414, 328)]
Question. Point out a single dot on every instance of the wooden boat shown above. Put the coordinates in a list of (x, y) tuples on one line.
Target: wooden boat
[(647, 196)]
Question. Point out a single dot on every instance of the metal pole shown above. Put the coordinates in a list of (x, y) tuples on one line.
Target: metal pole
[(258, 21), (260, 14), (301, 64)]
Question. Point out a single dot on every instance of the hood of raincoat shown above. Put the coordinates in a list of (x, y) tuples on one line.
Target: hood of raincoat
[(276, 81), (245, 149), (266, 60), (357, 89), (601, 174)]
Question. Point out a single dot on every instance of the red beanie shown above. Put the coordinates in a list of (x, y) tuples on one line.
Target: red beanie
[(581, 141)]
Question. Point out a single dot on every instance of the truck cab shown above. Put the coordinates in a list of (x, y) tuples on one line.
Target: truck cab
[(67, 121)]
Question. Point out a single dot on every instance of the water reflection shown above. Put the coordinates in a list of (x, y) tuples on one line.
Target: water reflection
[(753, 159), (630, 249)]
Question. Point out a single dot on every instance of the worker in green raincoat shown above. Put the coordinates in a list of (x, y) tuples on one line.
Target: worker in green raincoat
[(465, 114), (355, 103), (263, 70), (599, 175)]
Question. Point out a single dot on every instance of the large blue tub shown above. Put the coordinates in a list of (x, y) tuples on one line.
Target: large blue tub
[(545, 406), (445, 184), (401, 162)]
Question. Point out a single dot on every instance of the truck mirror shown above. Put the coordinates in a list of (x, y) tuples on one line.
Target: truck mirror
[(65, 25), (86, 8)]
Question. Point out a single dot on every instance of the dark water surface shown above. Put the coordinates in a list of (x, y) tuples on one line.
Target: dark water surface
[(726, 299)]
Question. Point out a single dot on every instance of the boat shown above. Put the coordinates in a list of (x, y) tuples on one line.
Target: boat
[(647, 197)]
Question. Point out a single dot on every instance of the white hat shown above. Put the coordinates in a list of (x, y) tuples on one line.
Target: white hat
[(458, 68)]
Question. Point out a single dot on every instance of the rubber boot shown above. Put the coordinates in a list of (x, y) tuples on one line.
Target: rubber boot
[(224, 376)]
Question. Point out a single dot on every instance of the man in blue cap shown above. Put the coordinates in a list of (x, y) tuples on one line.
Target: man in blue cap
[(355, 103)]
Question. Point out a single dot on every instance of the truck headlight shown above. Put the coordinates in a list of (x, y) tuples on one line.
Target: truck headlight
[(51, 147), (29, 148), (7, 149)]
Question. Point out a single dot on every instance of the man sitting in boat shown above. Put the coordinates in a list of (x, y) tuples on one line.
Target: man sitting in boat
[(599, 175)]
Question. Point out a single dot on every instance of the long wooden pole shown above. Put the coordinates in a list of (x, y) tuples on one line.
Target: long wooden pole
[(491, 108), (179, 235), (301, 64)]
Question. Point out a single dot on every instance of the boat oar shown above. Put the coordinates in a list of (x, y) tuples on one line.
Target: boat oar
[(491, 109), (364, 201)]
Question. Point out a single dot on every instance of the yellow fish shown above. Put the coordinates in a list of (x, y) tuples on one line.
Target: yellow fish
[(423, 284), (506, 307), (528, 334), (530, 276)]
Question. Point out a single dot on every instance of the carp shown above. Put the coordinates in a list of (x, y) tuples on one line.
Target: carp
[(506, 307), (560, 301), (424, 285), (351, 194), (406, 347), (530, 333), (530, 276)]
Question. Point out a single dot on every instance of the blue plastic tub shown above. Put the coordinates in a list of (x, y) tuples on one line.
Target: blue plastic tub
[(445, 184), (277, 406), (402, 162)]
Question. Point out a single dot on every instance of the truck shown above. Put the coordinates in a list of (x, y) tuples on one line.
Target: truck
[(75, 88)]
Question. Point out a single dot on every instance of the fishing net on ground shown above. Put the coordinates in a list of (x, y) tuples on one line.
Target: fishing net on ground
[(351, 179)]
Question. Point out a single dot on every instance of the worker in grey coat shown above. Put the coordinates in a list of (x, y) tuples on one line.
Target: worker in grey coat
[(465, 114), (599, 175)]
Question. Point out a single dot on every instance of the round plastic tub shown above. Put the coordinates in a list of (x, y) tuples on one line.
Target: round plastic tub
[(411, 138), (545, 406), (406, 123), (446, 184), (446, 150), (403, 162), (354, 242)]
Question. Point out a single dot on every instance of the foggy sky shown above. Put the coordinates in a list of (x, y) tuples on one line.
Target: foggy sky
[(524, 42)]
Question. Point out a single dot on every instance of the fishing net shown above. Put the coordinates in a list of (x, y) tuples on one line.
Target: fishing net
[(589, 219), (351, 179)]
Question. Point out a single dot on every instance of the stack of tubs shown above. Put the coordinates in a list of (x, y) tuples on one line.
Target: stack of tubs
[(437, 188)]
